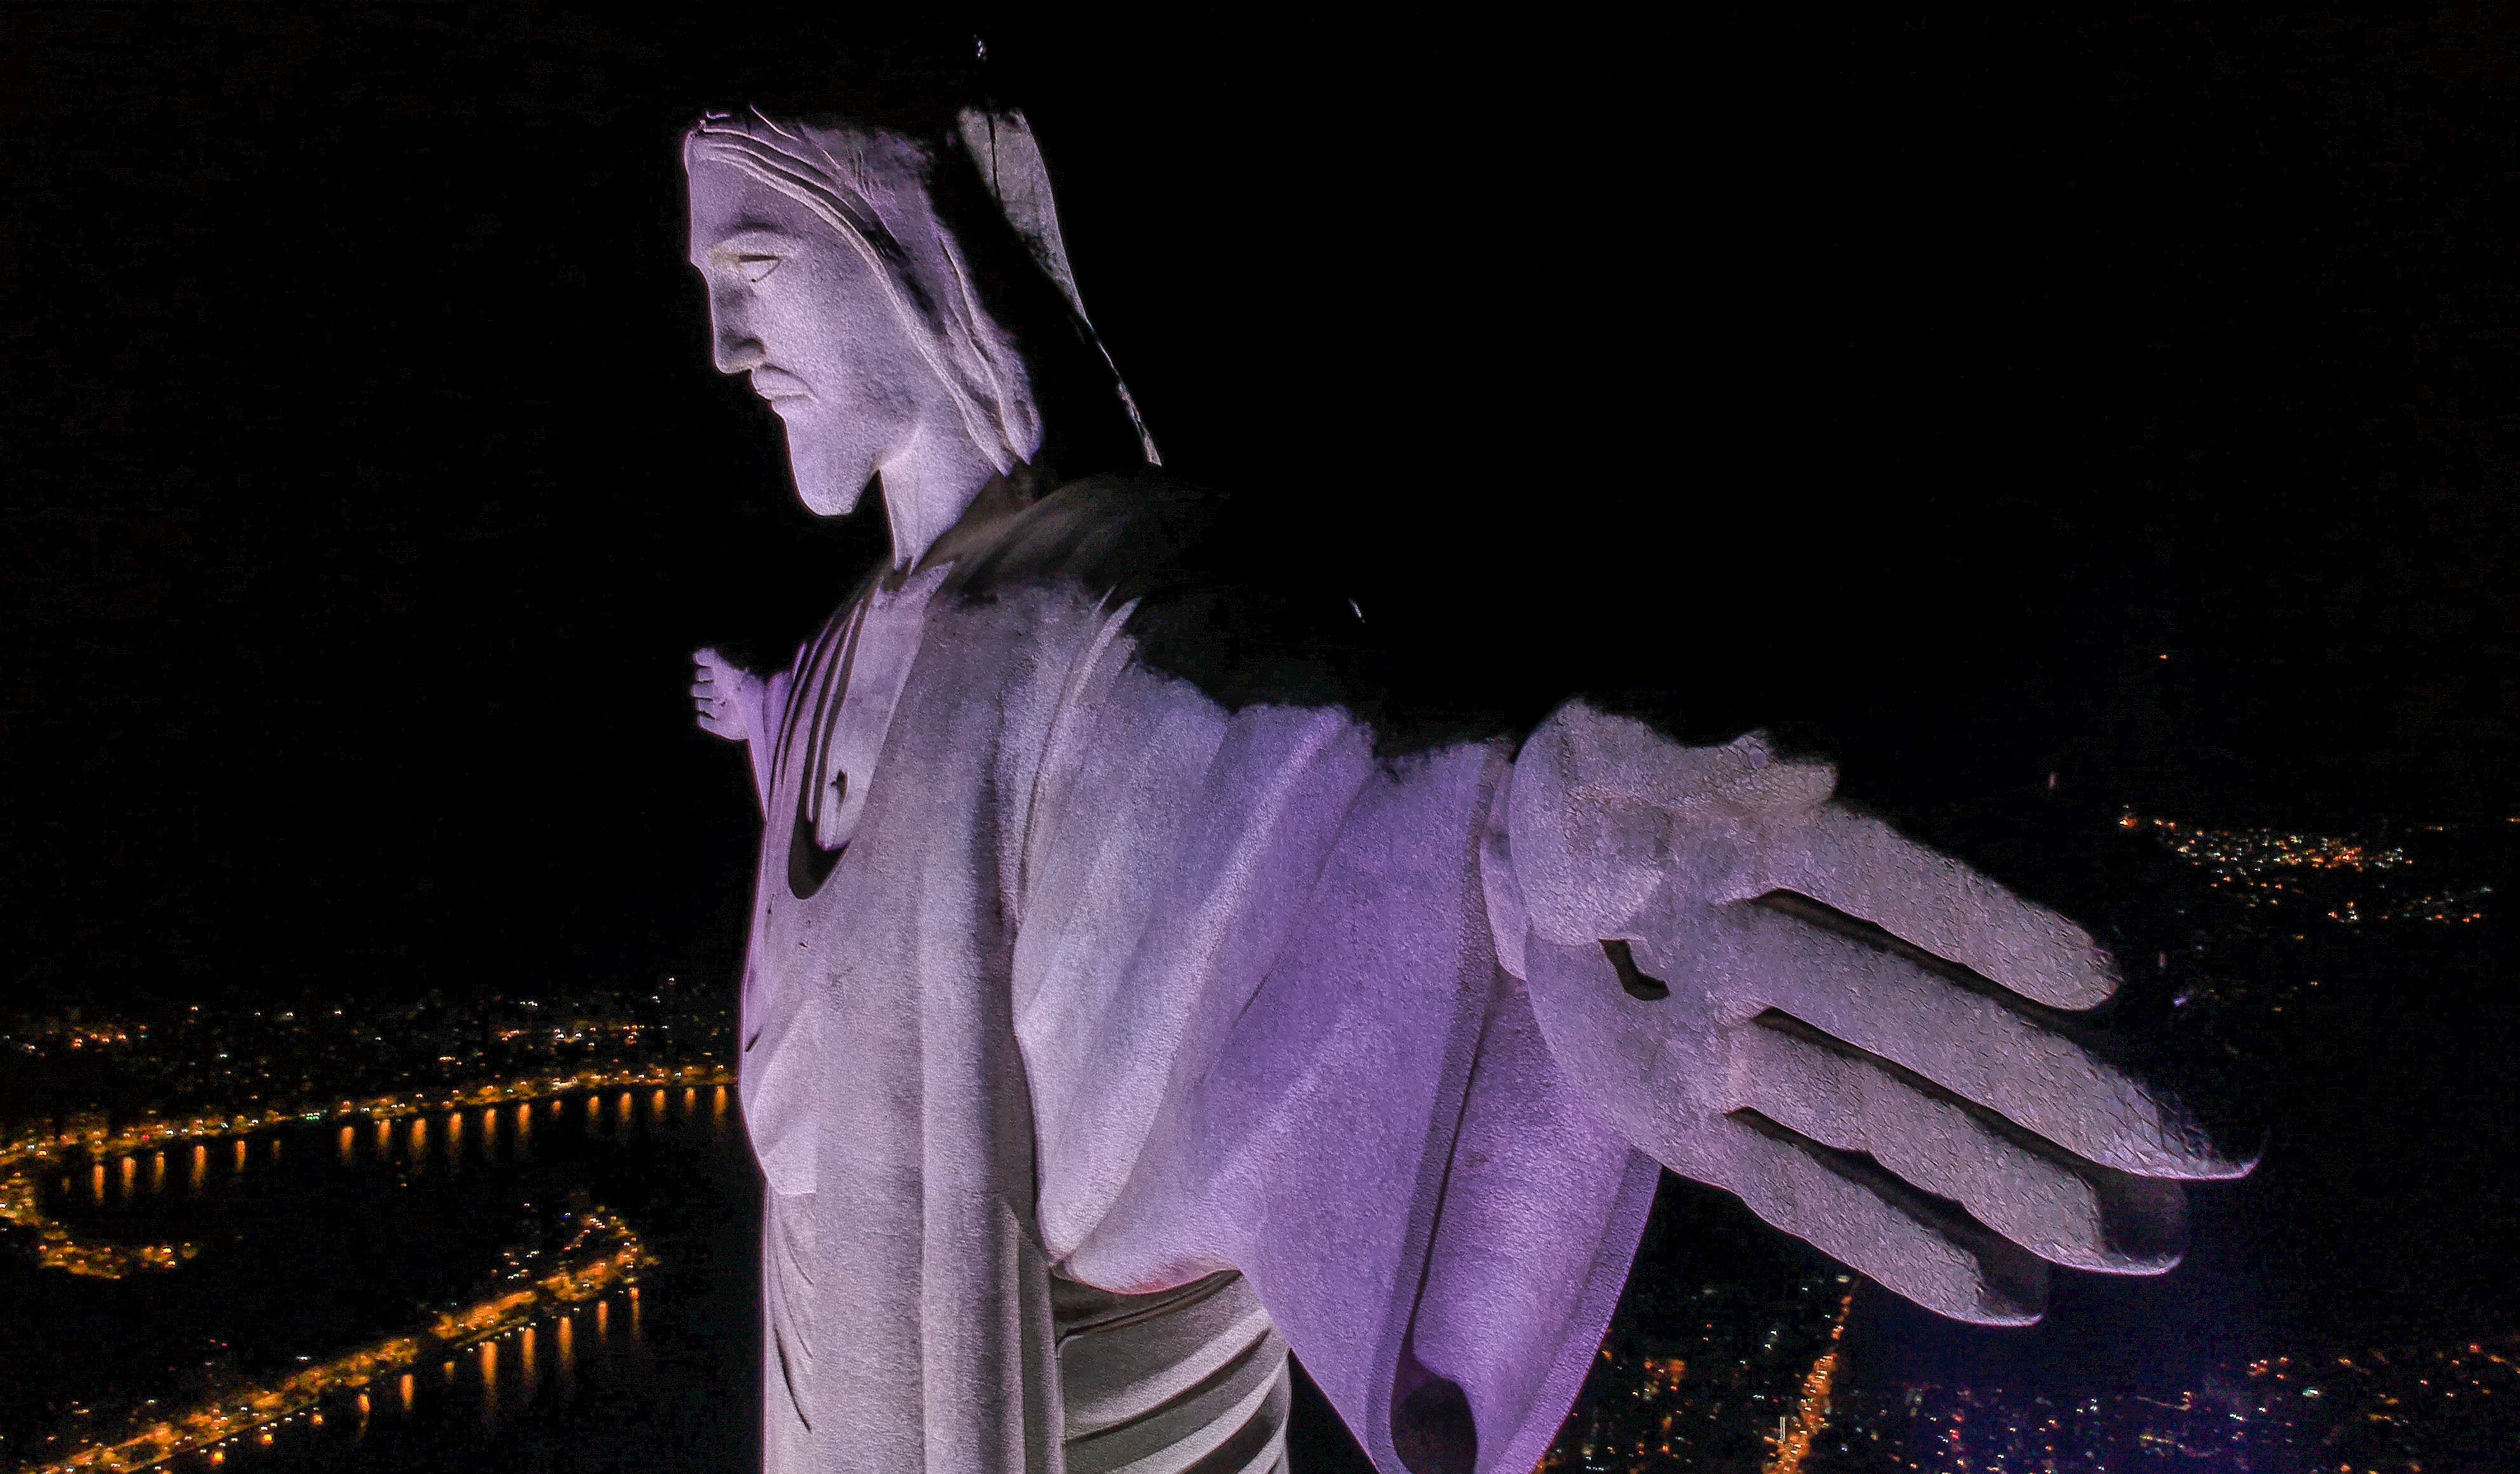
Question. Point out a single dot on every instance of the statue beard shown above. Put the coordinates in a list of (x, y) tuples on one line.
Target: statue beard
[(833, 473)]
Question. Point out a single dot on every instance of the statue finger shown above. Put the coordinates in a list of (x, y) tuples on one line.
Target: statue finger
[(1867, 1218), (1970, 1040), (1865, 870), (2064, 1210)]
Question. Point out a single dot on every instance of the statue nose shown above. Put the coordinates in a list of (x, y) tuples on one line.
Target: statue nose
[(740, 356)]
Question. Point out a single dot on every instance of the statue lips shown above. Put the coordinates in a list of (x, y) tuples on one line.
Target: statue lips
[(775, 384)]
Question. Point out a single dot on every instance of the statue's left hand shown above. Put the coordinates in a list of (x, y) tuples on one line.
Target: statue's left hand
[(1777, 995), (723, 694)]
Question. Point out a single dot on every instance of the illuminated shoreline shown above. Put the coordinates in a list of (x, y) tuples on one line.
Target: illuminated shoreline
[(601, 1257), (55, 1247)]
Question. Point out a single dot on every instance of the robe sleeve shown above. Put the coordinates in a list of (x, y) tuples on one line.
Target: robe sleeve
[(1264, 1029)]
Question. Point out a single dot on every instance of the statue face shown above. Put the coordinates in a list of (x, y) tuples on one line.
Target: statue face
[(797, 308)]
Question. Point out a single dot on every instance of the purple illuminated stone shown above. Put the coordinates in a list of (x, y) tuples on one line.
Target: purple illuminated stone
[(1100, 1044)]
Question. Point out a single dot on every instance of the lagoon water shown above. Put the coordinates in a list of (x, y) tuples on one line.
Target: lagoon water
[(313, 1241)]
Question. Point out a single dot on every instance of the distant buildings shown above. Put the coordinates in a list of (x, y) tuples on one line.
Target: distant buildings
[(598, 1256), (1726, 1390), (1741, 1407), (128, 1088), (2445, 1411), (72, 1074), (2318, 878)]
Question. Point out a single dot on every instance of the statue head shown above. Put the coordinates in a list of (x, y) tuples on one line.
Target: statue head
[(897, 326), (837, 284)]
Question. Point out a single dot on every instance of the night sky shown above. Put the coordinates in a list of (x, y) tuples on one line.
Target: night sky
[(1916, 382), (2127, 395)]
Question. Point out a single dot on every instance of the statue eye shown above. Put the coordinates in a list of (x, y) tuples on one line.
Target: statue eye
[(754, 268)]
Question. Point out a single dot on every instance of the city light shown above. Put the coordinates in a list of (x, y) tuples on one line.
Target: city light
[(25, 1158), (2314, 875), (1811, 1420), (56, 1248), (2379, 1411), (600, 1257)]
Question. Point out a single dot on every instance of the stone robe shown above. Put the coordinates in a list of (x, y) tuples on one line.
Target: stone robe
[(1096, 1036)]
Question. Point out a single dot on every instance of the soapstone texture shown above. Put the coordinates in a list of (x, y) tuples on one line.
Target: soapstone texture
[(1102, 1043)]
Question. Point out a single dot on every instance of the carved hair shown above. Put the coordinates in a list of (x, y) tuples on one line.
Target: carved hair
[(872, 187)]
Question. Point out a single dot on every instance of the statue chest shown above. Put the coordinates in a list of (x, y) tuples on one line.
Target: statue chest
[(830, 743)]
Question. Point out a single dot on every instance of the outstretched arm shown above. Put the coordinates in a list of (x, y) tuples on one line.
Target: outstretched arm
[(1785, 999)]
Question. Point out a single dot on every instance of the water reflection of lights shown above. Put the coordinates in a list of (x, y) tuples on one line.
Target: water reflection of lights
[(24, 1159), (55, 1249), (601, 1258)]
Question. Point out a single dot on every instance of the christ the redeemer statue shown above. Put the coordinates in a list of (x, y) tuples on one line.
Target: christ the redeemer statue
[(1116, 1018)]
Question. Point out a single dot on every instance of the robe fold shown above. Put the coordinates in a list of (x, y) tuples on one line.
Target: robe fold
[(1111, 1026)]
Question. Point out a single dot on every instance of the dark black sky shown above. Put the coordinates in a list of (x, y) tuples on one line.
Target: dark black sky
[(1919, 377)]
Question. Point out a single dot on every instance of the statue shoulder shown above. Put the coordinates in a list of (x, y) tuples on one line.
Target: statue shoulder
[(1228, 598), (1126, 536)]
